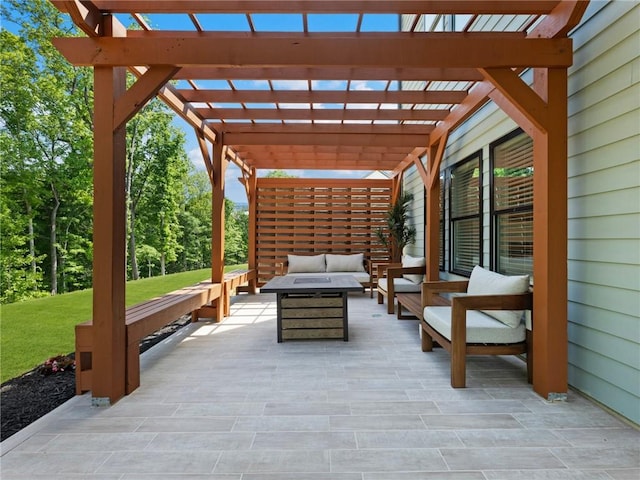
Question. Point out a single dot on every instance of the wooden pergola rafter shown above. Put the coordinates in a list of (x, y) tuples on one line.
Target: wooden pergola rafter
[(324, 100)]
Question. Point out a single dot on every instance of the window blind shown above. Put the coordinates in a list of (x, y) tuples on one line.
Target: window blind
[(513, 205), (466, 198)]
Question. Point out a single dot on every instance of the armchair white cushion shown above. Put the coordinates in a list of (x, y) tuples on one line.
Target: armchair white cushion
[(400, 285), (409, 261), (486, 282)]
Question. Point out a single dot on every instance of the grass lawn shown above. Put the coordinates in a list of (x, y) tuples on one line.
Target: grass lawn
[(34, 330)]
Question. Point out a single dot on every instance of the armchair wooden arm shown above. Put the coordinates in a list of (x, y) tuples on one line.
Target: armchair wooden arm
[(431, 290)]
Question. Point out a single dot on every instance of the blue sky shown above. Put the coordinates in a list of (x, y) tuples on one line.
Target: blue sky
[(264, 22)]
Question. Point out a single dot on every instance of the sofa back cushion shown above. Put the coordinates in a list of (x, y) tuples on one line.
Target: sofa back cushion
[(345, 263), (486, 282), (409, 261), (306, 263)]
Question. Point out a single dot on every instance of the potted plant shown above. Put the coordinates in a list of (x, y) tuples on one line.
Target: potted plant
[(398, 233)]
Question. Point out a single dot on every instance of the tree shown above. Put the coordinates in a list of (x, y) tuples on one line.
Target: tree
[(195, 221), (279, 174), (46, 116), (155, 176)]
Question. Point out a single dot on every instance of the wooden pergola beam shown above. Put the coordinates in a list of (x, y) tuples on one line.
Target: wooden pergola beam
[(384, 50), (324, 96), (330, 6), (328, 73), (284, 138), (327, 164), (337, 114), (322, 128), (144, 89)]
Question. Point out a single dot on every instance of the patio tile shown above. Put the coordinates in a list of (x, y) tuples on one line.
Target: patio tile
[(598, 457), (303, 440), (404, 459), (266, 461), (376, 422), (481, 406), (604, 437), (500, 458), (307, 408), (408, 439), (389, 408), (191, 441), (161, 462), (510, 438), (547, 475), (425, 476), (471, 421), (220, 409), (282, 423), (59, 463), (302, 476), (188, 424)]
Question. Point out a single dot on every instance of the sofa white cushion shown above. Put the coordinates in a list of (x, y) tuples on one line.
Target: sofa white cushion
[(306, 263), (486, 282), (345, 263), (481, 328), (409, 261), (400, 285)]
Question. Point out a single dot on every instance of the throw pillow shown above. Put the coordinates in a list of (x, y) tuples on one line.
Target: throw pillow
[(345, 263), (306, 263), (486, 282)]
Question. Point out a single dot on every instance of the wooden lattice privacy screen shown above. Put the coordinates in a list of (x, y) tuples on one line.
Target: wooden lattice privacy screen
[(306, 216)]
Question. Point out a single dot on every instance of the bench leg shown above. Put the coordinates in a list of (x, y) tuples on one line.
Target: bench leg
[(458, 364), (133, 367), (426, 341), (390, 305), (380, 298), (529, 338)]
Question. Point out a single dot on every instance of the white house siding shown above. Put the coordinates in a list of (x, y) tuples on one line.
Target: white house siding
[(603, 203), (414, 185)]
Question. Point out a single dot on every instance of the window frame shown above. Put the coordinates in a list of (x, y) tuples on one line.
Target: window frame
[(476, 156), (494, 213)]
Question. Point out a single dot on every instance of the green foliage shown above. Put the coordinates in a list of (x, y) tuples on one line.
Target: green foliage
[(235, 234), (279, 174), (399, 233), (46, 174)]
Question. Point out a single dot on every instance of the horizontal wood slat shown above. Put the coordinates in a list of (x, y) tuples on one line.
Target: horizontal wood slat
[(305, 216)]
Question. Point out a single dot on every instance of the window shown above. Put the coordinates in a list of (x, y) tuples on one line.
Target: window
[(512, 204), (466, 210)]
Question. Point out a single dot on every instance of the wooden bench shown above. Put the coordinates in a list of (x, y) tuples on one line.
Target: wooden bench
[(141, 320), (239, 280), (457, 344)]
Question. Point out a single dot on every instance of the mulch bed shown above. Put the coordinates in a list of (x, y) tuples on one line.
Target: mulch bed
[(32, 395)]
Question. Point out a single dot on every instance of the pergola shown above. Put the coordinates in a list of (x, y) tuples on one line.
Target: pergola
[(460, 54)]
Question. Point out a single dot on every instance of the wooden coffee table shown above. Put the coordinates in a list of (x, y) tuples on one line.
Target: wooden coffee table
[(312, 307)]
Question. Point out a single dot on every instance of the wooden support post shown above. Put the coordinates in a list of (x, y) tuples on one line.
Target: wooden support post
[(542, 113), (217, 216), (252, 198), (431, 177), (432, 215), (550, 337), (109, 213)]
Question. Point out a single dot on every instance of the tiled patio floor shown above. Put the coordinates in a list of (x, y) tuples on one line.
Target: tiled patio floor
[(227, 402)]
